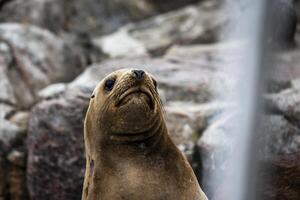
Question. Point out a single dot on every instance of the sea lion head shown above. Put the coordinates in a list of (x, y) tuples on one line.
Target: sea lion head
[(124, 103)]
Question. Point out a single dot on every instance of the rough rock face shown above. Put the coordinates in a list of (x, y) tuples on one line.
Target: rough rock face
[(286, 101), (55, 166), (284, 182), (92, 16), (33, 59), (30, 59), (282, 22), (199, 23), (17, 175)]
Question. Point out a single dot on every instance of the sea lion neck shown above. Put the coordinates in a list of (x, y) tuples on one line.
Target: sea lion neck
[(144, 141)]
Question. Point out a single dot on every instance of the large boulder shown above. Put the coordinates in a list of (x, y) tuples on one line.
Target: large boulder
[(286, 102), (198, 23), (55, 165), (91, 16), (31, 59)]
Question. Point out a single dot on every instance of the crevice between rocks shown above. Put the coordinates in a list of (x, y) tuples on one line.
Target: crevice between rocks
[(3, 2)]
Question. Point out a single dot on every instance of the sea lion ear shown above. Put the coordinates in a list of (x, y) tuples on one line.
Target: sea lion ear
[(154, 83)]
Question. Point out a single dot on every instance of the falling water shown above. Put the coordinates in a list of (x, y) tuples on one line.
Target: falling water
[(248, 30)]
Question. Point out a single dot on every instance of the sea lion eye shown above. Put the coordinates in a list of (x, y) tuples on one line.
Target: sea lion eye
[(92, 96), (109, 84)]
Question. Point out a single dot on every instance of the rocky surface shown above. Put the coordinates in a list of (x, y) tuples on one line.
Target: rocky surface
[(55, 165), (92, 16), (33, 58), (194, 24)]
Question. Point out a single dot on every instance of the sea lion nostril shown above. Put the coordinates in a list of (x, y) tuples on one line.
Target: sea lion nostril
[(139, 74)]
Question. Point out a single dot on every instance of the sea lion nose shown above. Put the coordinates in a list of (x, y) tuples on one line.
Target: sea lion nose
[(138, 74)]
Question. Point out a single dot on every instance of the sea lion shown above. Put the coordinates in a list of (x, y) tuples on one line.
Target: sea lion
[(129, 154)]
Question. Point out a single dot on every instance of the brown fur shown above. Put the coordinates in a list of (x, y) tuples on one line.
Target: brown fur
[(129, 154)]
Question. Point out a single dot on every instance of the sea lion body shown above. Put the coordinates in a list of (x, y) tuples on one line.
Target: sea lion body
[(129, 154)]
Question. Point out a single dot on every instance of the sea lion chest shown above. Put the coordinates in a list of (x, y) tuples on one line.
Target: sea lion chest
[(145, 177)]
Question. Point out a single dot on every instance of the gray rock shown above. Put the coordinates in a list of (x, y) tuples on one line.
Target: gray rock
[(16, 175), (193, 24), (91, 16), (55, 166), (285, 66), (278, 137), (2, 179), (186, 122), (17, 158), (20, 119), (282, 23), (52, 90), (297, 6), (8, 133), (286, 103), (38, 58), (120, 44), (191, 83)]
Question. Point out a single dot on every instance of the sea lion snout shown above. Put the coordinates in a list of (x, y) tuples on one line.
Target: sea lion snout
[(138, 74)]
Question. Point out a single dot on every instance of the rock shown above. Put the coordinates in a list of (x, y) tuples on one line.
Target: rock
[(193, 24), (278, 137), (284, 181), (282, 23), (285, 65), (52, 90), (38, 59), (17, 182), (186, 122), (12, 169), (2, 179), (185, 76), (17, 175), (120, 44), (286, 103), (7, 91), (55, 166), (20, 119), (8, 133), (17, 158), (93, 16), (163, 71)]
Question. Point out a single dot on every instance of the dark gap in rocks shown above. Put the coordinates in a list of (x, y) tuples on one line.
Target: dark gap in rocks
[(3, 2), (7, 102)]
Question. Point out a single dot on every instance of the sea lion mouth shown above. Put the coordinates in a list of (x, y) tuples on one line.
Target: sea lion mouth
[(138, 93)]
